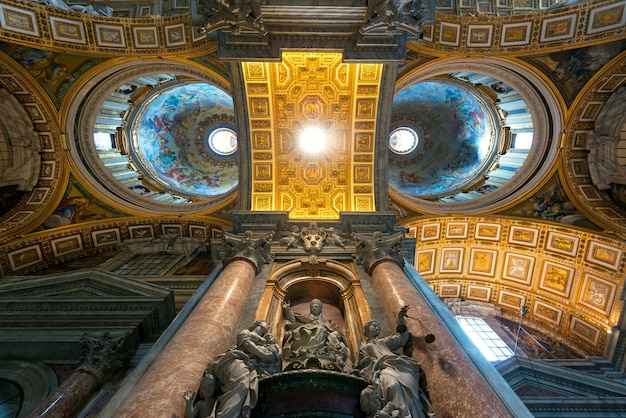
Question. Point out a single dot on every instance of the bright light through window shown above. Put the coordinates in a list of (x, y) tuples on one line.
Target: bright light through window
[(102, 140), (223, 141), (313, 140), (403, 140), (523, 140), (485, 338)]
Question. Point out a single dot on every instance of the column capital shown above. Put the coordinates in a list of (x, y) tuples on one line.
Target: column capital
[(374, 248), (103, 355), (252, 247)]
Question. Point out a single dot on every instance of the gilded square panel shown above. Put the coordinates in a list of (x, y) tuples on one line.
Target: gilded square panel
[(175, 35), (25, 257), (145, 37), (590, 112), (264, 202), (264, 171), (172, 230), (511, 300), (561, 243), (479, 35), (66, 245), (425, 261), (486, 231), (604, 255), (259, 107), (483, 262), (430, 232), (456, 230), (197, 231), (451, 260), (363, 203), (38, 195), (47, 143), (145, 11), (585, 330), (35, 112), (141, 231), (556, 278), (18, 216), (365, 108), (557, 28), (579, 167), (47, 170), (363, 142), (108, 35), (547, 312), (262, 140), (18, 20), (479, 293), (516, 34), (612, 83), (597, 294), (518, 268), (67, 30), (105, 237), (523, 236), (216, 233), (362, 173), (11, 84), (580, 140), (607, 17), (590, 192), (450, 290), (449, 33)]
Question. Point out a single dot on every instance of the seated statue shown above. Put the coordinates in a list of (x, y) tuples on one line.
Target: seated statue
[(236, 374), (312, 341), (398, 387)]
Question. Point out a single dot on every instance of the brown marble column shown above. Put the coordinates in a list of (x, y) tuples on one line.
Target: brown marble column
[(204, 334), (102, 357), (456, 387)]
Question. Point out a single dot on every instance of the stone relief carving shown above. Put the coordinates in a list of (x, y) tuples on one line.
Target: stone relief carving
[(230, 385), (398, 385), (378, 246), (103, 355), (255, 248), (390, 15), (312, 238), (312, 342), (92, 10), (235, 14)]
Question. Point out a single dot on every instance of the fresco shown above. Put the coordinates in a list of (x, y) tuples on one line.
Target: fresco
[(55, 72), (78, 206), (570, 70), (170, 137), (456, 137)]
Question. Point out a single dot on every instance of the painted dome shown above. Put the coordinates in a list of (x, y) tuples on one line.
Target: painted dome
[(183, 137), (448, 138)]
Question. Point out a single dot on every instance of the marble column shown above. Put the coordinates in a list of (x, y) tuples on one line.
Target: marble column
[(204, 334), (102, 357), (455, 386)]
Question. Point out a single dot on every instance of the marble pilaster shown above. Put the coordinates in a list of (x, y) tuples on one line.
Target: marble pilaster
[(206, 333)]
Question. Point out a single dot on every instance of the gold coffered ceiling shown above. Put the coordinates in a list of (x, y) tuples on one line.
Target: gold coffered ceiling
[(312, 90)]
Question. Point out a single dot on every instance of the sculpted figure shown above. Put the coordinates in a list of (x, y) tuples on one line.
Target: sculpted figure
[(207, 394), (238, 371), (312, 341), (398, 387)]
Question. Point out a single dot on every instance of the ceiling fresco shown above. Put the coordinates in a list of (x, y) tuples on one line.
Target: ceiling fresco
[(457, 135), (170, 138)]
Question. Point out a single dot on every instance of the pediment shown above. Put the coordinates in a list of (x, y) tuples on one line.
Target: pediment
[(83, 284)]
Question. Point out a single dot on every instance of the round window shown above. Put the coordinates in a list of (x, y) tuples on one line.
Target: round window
[(223, 141), (403, 140)]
